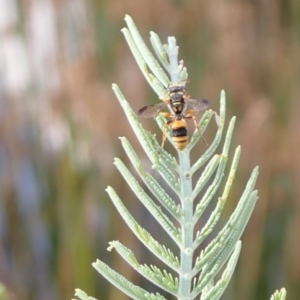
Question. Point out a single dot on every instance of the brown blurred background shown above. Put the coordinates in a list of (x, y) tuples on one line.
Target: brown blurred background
[(60, 123)]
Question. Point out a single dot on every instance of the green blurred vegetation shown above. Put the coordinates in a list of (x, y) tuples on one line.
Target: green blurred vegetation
[(60, 122)]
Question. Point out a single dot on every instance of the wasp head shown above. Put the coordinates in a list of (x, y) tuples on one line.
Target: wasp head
[(176, 89)]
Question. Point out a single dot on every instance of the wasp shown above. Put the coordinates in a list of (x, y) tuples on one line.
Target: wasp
[(177, 102)]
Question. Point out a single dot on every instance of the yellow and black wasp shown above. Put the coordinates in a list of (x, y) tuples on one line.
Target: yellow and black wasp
[(177, 102)]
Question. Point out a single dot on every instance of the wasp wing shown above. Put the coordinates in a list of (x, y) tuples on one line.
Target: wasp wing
[(150, 111), (198, 104)]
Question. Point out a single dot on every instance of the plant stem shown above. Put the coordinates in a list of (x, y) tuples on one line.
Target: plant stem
[(186, 252), (187, 227)]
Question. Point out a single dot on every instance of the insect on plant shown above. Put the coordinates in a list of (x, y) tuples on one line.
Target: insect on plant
[(185, 274), (177, 102)]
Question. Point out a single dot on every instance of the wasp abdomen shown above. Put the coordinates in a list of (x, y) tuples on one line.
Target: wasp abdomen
[(179, 134), (179, 131)]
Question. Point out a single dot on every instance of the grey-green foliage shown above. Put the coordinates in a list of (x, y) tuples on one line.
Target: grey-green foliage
[(188, 280), (279, 295)]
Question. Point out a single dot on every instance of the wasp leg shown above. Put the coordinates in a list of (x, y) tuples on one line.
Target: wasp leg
[(166, 114), (189, 115), (186, 97), (164, 135)]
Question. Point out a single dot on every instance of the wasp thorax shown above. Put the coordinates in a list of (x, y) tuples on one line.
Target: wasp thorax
[(176, 97)]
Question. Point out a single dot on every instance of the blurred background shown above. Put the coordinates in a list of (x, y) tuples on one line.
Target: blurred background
[(60, 123)]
